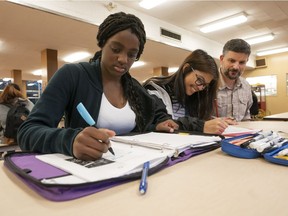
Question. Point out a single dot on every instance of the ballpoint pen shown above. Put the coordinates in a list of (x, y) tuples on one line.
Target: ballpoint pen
[(89, 120), (143, 183)]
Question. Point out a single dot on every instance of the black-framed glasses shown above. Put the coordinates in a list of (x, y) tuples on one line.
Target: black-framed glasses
[(200, 80)]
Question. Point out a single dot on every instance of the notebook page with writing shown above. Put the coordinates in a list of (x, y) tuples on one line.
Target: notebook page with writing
[(127, 159)]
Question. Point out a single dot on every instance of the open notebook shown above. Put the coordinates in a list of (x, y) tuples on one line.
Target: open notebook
[(131, 152)]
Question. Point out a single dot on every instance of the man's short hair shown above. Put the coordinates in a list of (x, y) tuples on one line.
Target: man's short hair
[(237, 45)]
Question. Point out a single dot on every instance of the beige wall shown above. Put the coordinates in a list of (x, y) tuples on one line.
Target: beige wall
[(276, 65)]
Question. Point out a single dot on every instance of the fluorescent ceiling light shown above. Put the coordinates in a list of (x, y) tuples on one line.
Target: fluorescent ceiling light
[(224, 23), (138, 64), (6, 79), (148, 4), (37, 72), (272, 51), (172, 69), (260, 39), (76, 57)]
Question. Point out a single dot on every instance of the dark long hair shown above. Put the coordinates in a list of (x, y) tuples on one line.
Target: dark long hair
[(199, 104), (113, 24)]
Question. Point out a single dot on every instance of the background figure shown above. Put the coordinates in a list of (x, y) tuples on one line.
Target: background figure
[(254, 109), (189, 93), (234, 97), (116, 101), (10, 96)]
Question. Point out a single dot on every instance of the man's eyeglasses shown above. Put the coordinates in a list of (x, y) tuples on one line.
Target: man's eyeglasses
[(200, 81)]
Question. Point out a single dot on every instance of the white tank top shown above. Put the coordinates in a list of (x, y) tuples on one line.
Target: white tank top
[(119, 120)]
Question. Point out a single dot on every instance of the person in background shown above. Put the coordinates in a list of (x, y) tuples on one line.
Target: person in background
[(254, 109), (116, 101), (234, 97), (10, 96), (189, 93)]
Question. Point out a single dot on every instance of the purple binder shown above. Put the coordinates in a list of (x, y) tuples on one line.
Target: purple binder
[(31, 171)]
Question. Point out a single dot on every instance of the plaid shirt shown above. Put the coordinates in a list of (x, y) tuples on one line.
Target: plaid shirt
[(234, 102)]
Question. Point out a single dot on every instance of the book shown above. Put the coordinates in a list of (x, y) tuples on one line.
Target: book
[(131, 152)]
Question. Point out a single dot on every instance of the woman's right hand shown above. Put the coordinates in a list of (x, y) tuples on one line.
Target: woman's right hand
[(91, 143), (215, 126)]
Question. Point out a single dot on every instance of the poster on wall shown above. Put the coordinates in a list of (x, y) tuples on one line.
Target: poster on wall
[(270, 83)]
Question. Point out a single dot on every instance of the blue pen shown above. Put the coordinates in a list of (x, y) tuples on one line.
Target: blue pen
[(144, 183), (89, 120)]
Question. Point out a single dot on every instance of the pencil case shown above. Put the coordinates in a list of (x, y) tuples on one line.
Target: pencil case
[(229, 148)]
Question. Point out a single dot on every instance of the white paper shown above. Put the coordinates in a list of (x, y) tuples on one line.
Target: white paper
[(127, 160), (237, 131), (178, 142)]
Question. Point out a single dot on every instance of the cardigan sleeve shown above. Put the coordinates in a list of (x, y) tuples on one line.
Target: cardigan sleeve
[(39, 133), (190, 124)]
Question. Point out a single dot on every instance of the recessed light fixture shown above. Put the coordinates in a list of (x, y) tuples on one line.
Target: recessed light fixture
[(138, 64), (224, 23), (148, 4), (272, 51), (37, 72), (260, 39), (76, 57), (172, 69), (7, 79)]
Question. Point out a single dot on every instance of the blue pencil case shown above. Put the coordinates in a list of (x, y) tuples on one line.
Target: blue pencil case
[(229, 147)]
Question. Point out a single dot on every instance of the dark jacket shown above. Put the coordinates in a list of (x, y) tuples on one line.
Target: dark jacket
[(70, 85), (254, 109)]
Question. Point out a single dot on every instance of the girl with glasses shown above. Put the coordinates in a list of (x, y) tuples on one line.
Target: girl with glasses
[(190, 92)]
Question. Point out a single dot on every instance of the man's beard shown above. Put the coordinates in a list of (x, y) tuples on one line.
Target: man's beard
[(232, 74)]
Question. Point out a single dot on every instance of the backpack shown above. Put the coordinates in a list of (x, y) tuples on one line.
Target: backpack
[(15, 117)]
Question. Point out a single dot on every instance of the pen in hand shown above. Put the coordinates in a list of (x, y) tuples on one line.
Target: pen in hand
[(143, 183), (89, 120)]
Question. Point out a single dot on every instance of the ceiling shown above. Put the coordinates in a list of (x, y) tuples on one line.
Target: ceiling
[(25, 32)]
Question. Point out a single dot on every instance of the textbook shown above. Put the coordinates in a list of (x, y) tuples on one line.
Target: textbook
[(59, 177)]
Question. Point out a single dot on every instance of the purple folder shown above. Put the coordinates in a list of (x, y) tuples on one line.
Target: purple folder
[(31, 171)]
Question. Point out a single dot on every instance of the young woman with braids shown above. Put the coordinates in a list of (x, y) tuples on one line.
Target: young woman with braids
[(117, 102), (189, 93)]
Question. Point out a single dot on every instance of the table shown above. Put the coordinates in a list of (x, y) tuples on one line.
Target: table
[(277, 126), (277, 117), (211, 184)]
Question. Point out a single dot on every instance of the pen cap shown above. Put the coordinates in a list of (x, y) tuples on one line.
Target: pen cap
[(85, 115)]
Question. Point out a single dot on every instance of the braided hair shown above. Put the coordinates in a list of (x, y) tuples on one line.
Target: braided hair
[(113, 24)]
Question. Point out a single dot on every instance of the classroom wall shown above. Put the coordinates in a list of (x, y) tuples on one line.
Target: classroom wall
[(276, 65)]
